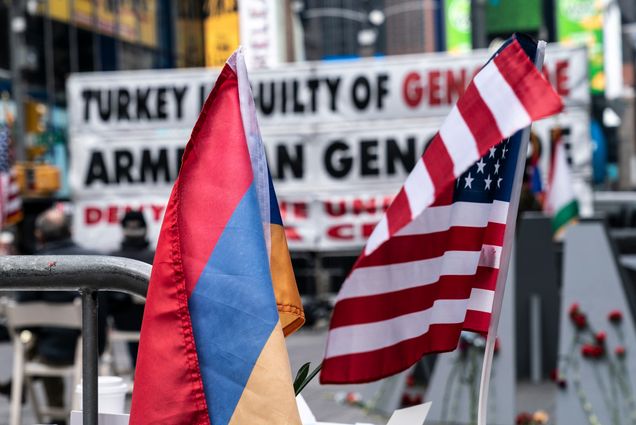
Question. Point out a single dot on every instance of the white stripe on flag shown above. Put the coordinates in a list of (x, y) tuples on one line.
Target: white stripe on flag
[(374, 336), (374, 280), (490, 256), (379, 235), (468, 214), (501, 100), (459, 141), (481, 300), (419, 188)]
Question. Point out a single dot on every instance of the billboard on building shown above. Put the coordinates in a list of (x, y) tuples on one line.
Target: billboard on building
[(221, 32), (581, 22), (134, 21), (458, 26)]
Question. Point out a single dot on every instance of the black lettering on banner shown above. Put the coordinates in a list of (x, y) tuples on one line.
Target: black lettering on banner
[(142, 104), (97, 171), (203, 94), (333, 92), (180, 153), (383, 91), (284, 161), (361, 92), (312, 85), (369, 158), (105, 108), (179, 94), (154, 166), (283, 98), (337, 160), (123, 165), (298, 105), (266, 103), (161, 103), (123, 100), (87, 95), (405, 157)]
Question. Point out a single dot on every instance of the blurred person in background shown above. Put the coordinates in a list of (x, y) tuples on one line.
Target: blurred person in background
[(56, 346), (126, 313)]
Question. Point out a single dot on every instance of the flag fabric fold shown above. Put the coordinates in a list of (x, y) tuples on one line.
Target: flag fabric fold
[(430, 267), (560, 201), (222, 292)]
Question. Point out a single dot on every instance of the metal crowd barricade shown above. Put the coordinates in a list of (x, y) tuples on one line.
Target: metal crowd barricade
[(86, 274)]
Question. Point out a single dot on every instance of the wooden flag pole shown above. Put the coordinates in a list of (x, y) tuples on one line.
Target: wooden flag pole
[(511, 221)]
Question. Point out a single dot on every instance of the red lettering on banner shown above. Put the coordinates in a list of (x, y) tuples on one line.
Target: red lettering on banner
[(92, 215), (300, 210), (368, 206), (292, 234), (412, 89), (455, 87), (367, 229), (343, 232), (351, 231), (157, 211), (293, 210), (562, 78), (335, 209), (112, 215), (434, 88)]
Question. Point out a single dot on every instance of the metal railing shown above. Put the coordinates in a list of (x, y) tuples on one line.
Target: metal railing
[(86, 274)]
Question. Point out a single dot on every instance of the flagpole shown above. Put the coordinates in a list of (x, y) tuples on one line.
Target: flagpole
[(511, 221)]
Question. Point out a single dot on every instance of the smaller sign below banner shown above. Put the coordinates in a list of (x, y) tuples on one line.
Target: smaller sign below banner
[(98, 221)]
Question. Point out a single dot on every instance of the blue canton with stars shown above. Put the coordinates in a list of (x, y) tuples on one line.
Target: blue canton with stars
[(5, 165), (492, 176)]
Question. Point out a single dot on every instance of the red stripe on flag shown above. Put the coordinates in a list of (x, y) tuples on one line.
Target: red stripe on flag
[(438, 163), (402, 249), (399, 213), (528, 84), (480, 120), (375, 308), (477, 321), (370, 366)]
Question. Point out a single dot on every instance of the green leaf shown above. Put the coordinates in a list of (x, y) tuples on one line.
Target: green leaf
[(300, 377), (301, 386)]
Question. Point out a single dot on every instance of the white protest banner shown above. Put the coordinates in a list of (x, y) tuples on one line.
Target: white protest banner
[(297, 95), (337, 152)]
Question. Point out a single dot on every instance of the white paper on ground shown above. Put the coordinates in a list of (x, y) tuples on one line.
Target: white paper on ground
[(415, 415)]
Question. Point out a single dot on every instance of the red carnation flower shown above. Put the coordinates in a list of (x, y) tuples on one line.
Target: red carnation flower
[(592, 351), (410, 381), (580, 321), (615, 316), (523, 418), (574, 310), (600, 337), (554, 375), (620, 351)]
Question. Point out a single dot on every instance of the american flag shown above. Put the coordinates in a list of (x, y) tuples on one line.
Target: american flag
[(10, 200), (429, 269)]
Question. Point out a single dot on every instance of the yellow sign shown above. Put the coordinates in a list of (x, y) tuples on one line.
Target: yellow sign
[(221, 32), (131, 20)]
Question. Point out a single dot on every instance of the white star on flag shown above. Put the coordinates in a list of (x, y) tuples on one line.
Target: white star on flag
[(480, 165), (487, 181), (469, 181)]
